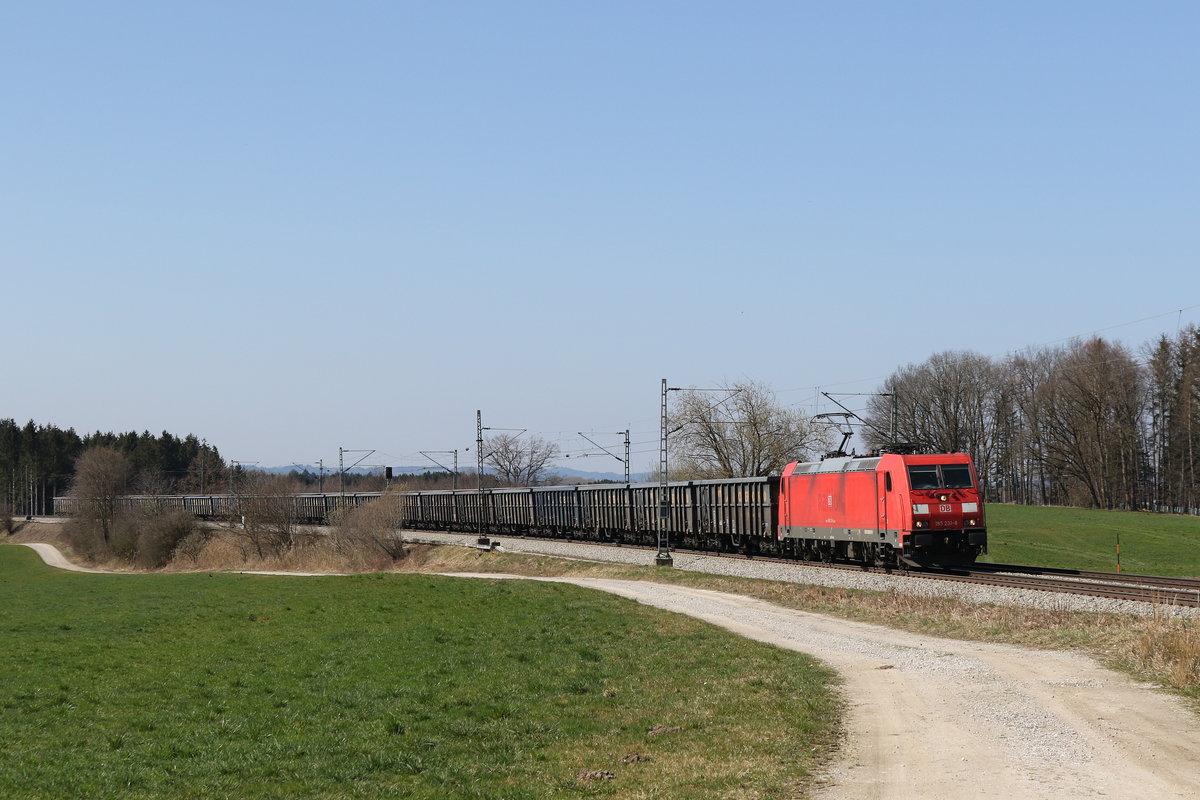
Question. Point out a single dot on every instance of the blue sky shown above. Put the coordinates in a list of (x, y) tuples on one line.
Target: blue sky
[(289, 227)]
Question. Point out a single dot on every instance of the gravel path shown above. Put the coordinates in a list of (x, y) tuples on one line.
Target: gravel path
[(819, 576), (939, 718), (54, 557)]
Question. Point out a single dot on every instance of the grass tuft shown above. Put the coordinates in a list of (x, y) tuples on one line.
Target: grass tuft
[(1169, 648)]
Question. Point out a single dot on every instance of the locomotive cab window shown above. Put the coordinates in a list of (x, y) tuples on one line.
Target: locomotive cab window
[(946, 476), (956, 476), (923, 477)]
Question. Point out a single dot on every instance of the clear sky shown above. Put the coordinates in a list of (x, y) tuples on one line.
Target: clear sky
[(289, 227)]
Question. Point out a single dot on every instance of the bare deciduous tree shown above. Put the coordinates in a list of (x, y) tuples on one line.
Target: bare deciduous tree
[(943, 404), (743, 433), (153, 481), (101, 477), (519, 460), (268, 524), (1025, 375), (1092, 407), (1061, 425)]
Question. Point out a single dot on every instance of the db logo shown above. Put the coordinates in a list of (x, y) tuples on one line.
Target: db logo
[(829, 500), (945, 508)]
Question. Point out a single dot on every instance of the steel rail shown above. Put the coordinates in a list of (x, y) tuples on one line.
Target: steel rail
[(1142, 593), (1164, 581)]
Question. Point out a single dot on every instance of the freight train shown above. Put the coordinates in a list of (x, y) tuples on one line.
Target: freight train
[(890, 509)]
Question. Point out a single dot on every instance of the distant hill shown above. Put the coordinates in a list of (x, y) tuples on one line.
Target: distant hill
[(579, 475)]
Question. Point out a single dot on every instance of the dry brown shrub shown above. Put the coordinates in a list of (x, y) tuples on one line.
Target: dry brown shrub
[(84, 538), (221, 551), (1170, 647), (192, 546), (142, 538), (315, 552), (371, 531)]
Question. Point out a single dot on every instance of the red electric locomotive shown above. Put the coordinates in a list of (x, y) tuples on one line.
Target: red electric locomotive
[(887, 509)]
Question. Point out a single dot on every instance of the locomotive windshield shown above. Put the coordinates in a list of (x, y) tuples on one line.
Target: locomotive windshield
[(956, 476), (946, 476), (923, 477)]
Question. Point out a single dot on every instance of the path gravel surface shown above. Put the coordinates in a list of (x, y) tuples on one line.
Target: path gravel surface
[(54, 557), (938, 718)]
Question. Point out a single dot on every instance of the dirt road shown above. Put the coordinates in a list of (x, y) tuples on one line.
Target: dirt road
[(938, 718), (54, 557)]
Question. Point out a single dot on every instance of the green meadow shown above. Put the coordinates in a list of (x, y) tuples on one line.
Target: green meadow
[(413, 686), (1076, 538)]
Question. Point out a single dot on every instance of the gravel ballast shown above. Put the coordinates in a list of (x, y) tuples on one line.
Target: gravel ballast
[(817, 576)]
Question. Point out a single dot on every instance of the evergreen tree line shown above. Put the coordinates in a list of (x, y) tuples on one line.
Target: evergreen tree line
[(37, 463), (1089, 423)]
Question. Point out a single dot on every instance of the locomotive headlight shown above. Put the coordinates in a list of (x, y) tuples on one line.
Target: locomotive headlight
[(970, 522), (920, 508), (920, 523)]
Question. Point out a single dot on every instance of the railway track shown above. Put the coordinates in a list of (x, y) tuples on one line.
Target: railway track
[(1156, 589), (1092, 575), (1123, 586)]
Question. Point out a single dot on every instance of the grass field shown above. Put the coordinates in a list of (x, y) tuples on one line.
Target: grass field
[(231, 686), (1077, 538)]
